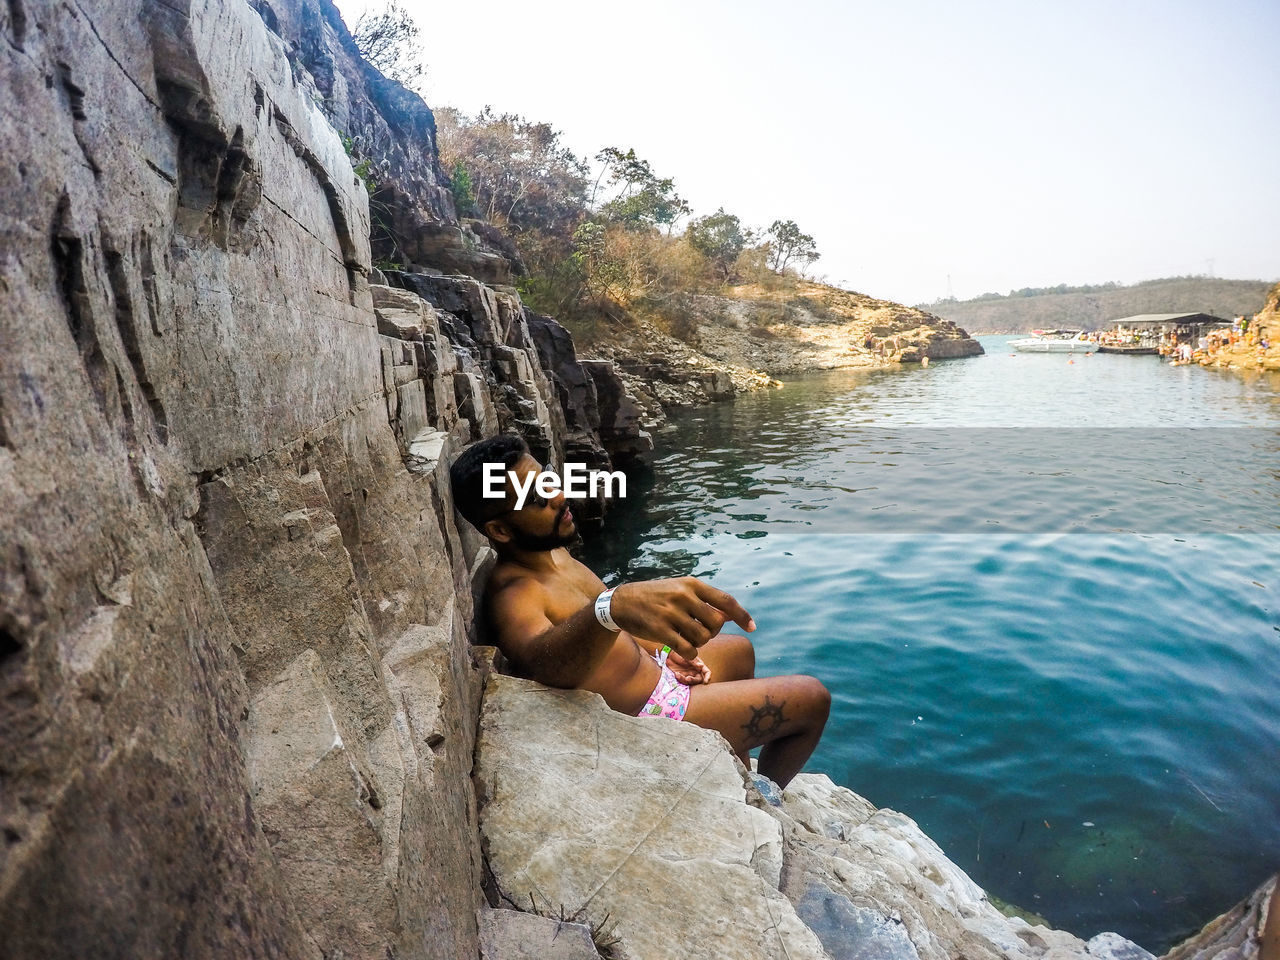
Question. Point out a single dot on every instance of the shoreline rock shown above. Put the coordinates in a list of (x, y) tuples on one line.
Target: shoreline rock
[(657, 826), (1251, 356)]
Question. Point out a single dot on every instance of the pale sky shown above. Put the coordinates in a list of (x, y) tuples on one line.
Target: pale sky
[(1002, 144)]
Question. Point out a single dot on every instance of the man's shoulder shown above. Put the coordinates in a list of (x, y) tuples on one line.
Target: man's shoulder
[(511, 579)]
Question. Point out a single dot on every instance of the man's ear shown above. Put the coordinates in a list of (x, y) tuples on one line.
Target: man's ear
[(497, 531)]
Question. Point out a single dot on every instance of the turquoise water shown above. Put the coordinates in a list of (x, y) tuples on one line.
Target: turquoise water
[(1045, 596)]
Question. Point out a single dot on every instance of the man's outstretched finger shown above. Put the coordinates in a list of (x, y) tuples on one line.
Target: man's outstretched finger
[(726, 605)]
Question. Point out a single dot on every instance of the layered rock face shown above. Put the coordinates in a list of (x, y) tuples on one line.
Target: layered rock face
[(237, 701), (392, 133)]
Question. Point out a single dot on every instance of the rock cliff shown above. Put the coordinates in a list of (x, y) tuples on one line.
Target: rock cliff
[(239, 698)]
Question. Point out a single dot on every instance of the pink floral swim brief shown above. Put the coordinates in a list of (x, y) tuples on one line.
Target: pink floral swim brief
[(670, 698)]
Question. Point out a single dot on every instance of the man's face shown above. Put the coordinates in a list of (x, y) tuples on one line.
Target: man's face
[(540, 524)]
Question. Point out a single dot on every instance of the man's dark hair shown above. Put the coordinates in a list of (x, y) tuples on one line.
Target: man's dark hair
[(466, 476)]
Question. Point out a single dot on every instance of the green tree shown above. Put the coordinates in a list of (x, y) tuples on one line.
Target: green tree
[(464, 199), (720, 237), (603, 273), (642, 199), (787, 244)]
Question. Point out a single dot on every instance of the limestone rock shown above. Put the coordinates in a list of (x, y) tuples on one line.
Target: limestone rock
[(755, 333), (215, 561), (576, 391), (1236, 935), (323, 812), (491, 330), (630, 819), (392, 133), (585, 809), (870, 883), (630, 447)]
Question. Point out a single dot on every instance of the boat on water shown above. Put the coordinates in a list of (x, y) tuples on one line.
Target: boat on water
[(1055, 341), (1129, 349)]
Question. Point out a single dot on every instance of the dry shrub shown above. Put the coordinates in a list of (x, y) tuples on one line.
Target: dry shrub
[(752, 266), (685, 327), (676, 314)]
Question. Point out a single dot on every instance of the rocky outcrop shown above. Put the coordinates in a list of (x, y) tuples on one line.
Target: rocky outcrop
[(796, 327), (390, 135), (654, 827), (910, 339), (1260, 348), (1238, 933), (237, 697), (663, 373)]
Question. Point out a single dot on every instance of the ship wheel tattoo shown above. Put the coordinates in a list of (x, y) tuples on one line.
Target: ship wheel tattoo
[(766, 720)]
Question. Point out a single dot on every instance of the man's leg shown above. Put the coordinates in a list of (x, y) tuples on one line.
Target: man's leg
[(785, 715), (730, 657)]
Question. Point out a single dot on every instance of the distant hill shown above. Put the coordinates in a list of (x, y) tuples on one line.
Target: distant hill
[(1091, 307)]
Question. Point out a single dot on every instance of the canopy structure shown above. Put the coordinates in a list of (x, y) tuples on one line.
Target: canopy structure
[(1148, 333), (1156, 320)]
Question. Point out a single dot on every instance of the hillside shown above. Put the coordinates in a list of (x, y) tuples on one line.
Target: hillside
[(694, 347), (1092, 307)]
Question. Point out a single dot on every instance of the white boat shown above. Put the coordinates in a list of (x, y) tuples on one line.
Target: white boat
[(1055, 341)]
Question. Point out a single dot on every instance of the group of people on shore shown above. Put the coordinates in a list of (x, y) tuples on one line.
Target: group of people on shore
[(1185, 348)]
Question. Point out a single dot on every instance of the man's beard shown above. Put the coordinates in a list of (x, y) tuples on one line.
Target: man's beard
[(538, 542)]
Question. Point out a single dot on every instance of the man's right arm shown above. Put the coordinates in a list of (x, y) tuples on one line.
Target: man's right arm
[(561, 654), (683, 613)]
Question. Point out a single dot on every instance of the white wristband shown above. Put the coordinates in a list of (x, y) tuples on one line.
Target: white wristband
[(603, 614)]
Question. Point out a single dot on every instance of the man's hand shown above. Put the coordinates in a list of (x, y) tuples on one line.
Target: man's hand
[(683, 613), (688, 672)]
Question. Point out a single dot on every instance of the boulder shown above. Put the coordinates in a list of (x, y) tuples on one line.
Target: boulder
[(640, 823)]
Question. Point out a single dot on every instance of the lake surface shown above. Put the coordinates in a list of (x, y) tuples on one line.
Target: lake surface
[(1045, 594)]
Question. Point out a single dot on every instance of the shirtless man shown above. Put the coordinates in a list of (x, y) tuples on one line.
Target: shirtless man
[(653, 649)]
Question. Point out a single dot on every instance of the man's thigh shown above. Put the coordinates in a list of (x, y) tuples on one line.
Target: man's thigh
[(750, 713), (730, 657)]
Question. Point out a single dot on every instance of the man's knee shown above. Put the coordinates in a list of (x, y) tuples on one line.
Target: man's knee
[(809, 699), (818, 697)]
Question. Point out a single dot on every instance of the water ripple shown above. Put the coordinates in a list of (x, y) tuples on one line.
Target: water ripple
[(1006, 688)]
